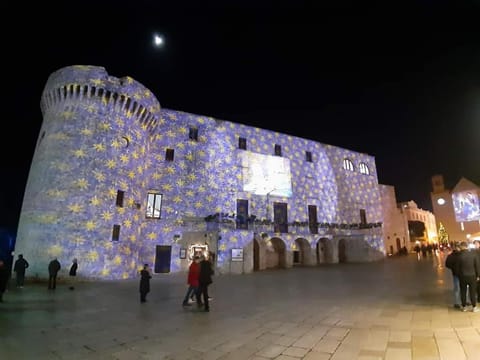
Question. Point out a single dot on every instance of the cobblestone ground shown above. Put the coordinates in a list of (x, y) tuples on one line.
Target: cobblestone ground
[(399, 308)]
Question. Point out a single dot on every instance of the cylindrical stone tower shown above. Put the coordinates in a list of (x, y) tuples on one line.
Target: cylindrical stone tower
[(85, 192)]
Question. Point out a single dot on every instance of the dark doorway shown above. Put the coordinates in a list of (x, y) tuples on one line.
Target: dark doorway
[(342, 256), (256, 256), (163, 258), (296, 257)]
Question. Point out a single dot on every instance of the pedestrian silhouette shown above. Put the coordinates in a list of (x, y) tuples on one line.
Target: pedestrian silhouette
[(73, 273), (19, 268), (53, 269), (145, 276)]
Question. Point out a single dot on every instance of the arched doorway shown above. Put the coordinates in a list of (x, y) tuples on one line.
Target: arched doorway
[(342, 251), (275, 254), (324, 251), (301, 253)]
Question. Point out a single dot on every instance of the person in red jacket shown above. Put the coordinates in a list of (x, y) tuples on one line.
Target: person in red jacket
[(192, 281)]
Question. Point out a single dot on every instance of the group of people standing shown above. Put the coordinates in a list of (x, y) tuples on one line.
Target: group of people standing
[(199, 278), (464, 263), (20, 267)]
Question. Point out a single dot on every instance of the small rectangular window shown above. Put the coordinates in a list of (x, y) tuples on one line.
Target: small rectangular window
[(116, 233), (308, 156), (193, 134), (278, 150), (169, 155), (120, 195), (242, 143)]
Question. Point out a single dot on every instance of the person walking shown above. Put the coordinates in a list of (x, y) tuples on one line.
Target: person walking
[(145, 276), (477, 250), (73, 273), (53, 269), (19, 268), (452, 263), (205, 279), (468, 273), (193, 281), (4, 275)]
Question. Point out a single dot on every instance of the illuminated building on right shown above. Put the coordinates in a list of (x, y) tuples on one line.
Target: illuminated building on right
[(457, 210)]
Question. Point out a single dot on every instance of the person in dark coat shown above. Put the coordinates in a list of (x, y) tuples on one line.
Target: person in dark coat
[(4, 275), (204, 280), (477, 249), (468, 272), (53, 269), (452, 263), (73, 273), (19, 268), (145, 276)]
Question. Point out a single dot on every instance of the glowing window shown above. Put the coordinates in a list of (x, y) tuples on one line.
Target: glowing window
[(154, 206), (348, 165), (364, 169)]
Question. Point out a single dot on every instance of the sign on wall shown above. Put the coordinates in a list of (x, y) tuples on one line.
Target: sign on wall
[(237, 254)]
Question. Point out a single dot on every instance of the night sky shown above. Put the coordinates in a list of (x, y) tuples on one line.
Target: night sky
[(399, 82)]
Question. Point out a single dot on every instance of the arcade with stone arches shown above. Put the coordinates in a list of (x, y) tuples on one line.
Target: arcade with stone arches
[(266, 253)]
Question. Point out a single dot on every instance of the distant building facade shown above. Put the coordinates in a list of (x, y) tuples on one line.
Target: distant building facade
[(117, 182), (395, 223), (413, 214), (457, 210)]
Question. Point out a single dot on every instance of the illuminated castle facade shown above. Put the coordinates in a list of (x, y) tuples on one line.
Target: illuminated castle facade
[(117, 182)]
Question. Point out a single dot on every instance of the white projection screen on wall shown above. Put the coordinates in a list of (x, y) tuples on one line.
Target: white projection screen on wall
[(466, 205), (266, 174)]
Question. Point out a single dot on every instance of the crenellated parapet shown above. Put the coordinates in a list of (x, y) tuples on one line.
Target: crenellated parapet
[(91, 84)]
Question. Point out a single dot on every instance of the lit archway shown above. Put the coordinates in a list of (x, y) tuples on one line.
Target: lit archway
[(275, 254)]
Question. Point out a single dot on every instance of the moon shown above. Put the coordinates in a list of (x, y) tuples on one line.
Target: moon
[(157, 40)]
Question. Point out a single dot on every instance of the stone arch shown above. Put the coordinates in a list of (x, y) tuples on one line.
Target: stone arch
[(302, 252), (275, 253), (324, 251), (259, 253)]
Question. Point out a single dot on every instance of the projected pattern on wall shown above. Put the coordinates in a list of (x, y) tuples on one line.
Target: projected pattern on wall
[(93, 143)]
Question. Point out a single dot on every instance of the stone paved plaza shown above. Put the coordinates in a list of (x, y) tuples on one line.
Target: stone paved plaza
[(396, 309)]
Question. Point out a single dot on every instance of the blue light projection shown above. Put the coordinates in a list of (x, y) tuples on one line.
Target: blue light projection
[(101, 135)]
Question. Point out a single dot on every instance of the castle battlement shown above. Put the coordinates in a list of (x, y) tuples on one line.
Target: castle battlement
[(84, 84)]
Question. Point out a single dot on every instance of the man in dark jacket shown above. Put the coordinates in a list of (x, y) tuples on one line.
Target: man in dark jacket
[(452, 263), (468, 273), (145, 276), (477, 249), (19, 267), (53, 269), (205, 279)]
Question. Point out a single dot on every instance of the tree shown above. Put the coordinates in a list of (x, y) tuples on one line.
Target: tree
[(442, 235)]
